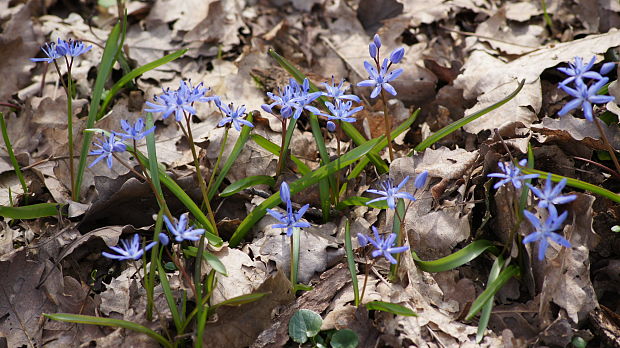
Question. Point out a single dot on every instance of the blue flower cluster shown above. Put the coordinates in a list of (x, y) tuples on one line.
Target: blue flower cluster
[(62, 48), (380, 76), (548, 198), (585, 95), (391, 193), (108, 146), (293, 99), (232, 116), (290, 220), (132, 250), (180, 101)]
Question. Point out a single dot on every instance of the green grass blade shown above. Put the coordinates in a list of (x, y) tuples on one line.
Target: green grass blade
[(465, 120), (241, 300), (526, 189), (361, 201), (153, 163), (211, 259), (165, 285), (275, 149), (357, 170), (33, 211), (155, 260), (485, 315), (357, 138), (582, 185), (135, 73), (244, 183), (295, 187), (295, 256), (454, 260), (348, 247), (492, 289), (105, 68), (232, 157), (390, 308), (90, 320), (397, 230), (9, 149)]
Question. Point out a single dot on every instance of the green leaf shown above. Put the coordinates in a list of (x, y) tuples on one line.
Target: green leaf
[(211, 259), (135, 73), (232, 157), (488, 306), (9, 150), (297, 186), (153, 163), (275, 149), (390, 308), (465, 120), (574, 183), (344, 338), (244, 183), (303, 325), (105, 68), (295, 240), (357, 170), (492, 289), (165, 285), (399, 216), (452, 261), (348, 247), (241, 300), (361, 202), (87, 319), (33, 211)]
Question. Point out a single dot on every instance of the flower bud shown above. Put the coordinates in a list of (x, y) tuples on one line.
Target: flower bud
[(377, 41), (372, 49), (331, 126), (397, 55), (606, 68)]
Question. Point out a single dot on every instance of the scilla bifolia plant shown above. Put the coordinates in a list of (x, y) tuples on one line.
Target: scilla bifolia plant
[(380, 77), (67, 51)]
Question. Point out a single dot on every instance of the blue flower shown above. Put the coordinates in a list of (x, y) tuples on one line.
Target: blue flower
[(106, 148), (544, 231), (579, 71), (511, 174), (163, 239), (75, 48), (337, 92), (128, 250), (391, 193), (341, 111), (420, 180), (293, 99), (181, 231), (383, 247), (180, 101), (290, 220), (233, 115), (380, 79), (331, 126), (584, 97), (136, 131), (52, 50), (551, 196)]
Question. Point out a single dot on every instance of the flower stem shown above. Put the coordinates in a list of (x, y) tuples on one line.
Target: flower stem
[(388, 125), (337, 193), (219, 158), (282, 157), (366, 271), (201, 180), (610, 148), (67, 87)]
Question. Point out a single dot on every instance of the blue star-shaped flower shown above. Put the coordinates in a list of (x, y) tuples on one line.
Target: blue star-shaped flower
[(136, 131), (380, 79), (75, 48), (391, 193), (584, 97), (337, 91), (383, 247), (341, 111), (544, 231), (181, 231), (290, 220), (551, 196), (233, 115), (578, 71), (106, 148), (511, 174), (52, 50), (128, 250)]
